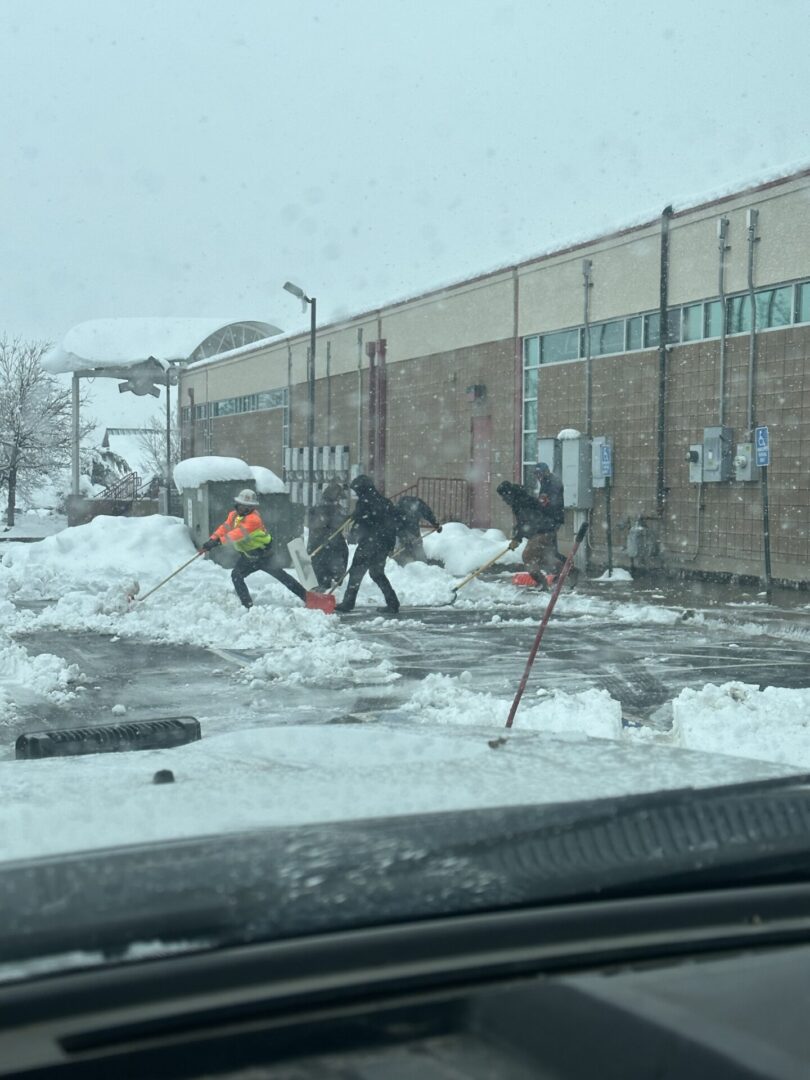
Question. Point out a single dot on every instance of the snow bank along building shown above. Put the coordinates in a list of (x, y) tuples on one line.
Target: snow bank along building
[(670, 343)]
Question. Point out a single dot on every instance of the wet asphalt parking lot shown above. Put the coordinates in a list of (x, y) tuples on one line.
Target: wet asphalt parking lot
[(643, 664)]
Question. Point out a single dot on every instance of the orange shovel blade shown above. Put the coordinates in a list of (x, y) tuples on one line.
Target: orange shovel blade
[(325, 602)]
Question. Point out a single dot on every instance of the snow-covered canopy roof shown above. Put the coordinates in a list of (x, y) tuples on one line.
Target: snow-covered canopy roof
[(122, 343), (192, 472)]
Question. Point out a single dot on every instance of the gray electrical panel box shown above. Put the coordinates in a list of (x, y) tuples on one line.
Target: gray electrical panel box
[(577, 473), (717, 447), (550, 451), (695, 458), (744, 461), (601, 460)]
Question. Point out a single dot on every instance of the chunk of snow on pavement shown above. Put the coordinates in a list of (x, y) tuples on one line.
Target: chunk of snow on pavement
[(446, 699), (22, 675), (618, 574), (741, 720), (191, 472)]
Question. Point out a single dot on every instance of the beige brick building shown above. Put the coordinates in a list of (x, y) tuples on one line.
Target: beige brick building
[(461, 381)]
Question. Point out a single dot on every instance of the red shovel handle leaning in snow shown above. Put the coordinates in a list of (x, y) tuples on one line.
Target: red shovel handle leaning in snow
[(569, 562)]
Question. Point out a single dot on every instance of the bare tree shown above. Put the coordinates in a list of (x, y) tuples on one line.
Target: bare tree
[(152, 443), (35, 419)]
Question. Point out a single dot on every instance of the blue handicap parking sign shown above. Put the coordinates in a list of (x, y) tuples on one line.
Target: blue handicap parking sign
[(607, 460), (762, 446)]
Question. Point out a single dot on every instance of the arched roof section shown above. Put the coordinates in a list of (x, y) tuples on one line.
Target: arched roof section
[(233, 336)]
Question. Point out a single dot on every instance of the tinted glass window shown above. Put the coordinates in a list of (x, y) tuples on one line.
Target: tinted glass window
[(713, 319), (634, 332), (693, 322), (531, 351), (652, 330), (607, 338), (563, 345)]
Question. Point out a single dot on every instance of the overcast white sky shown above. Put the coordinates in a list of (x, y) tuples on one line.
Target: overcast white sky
[(186, 157)]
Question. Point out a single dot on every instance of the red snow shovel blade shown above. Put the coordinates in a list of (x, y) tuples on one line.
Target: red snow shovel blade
[(325, 602), (523, 579)]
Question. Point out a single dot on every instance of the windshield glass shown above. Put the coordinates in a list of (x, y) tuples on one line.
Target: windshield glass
[(402, 411)]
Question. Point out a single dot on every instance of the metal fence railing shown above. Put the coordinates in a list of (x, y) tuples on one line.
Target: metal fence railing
[(448, 498)]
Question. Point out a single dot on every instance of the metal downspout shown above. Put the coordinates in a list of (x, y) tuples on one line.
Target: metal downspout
[(360, 398), (587, 285), (663, 316), (723, 247), (753, 216)]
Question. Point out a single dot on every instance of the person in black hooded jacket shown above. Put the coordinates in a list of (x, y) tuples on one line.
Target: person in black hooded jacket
[(374, 529), (534, 523)]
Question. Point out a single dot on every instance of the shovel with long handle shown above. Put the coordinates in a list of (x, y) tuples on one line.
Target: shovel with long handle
[(456, 588), (569, 562), (329, 539), (160, 584), (400, 549)]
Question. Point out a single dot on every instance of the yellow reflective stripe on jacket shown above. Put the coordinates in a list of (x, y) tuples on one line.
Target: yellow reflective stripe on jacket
[(246, 533)]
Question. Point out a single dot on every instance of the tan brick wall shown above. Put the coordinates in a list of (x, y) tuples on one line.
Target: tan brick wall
[(625, 397)]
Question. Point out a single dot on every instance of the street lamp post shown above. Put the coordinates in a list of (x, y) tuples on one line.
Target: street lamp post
[(302, 296)]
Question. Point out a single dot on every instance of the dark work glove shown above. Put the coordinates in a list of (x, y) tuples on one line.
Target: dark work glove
[(212, 543), (438, 528), (514, 543)]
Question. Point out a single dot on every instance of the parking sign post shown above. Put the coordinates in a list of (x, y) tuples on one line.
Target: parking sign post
[(762, 450)]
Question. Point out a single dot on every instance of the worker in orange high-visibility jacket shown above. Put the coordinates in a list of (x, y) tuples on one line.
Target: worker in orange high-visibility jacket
[(245, 529)]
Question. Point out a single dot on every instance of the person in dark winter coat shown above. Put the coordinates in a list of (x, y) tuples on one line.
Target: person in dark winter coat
[(534, 523), (324, 520), (245, 529), (374, 529), (550, 495), (411, 512)]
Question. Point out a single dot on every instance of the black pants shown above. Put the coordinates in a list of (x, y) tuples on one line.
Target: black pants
[(370, 557), (263, 560), (330, 564)]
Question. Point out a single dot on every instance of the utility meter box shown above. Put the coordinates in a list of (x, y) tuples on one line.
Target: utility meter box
[(550, 451), (206, 506), (717, 447), (601, 460), (744, 462), (576, 473), (694, 456)]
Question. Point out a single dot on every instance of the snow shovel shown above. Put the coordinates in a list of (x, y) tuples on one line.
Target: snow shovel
[(132, 598), (302, 563), (456, 588), (566, 569)]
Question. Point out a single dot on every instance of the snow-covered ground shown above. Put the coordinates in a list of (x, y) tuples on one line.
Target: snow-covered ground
[(429, 751)]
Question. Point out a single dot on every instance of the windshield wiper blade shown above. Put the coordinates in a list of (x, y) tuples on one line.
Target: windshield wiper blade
[(280, 883)]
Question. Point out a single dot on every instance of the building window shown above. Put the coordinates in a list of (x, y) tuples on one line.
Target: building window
[(635, 327), (692, 329), (270, 399), (530, 383), (563, 345), (185, 414), (607, 338), (739, 315), (531, 352), (652, 330), (713, 319), (774, 307), (803, 302), (226, 407), (673, 326)]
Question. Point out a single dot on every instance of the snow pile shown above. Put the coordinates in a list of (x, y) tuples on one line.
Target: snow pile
[(91, 558), (741, 720), (617, 575), (24, 675), (191, 472), (446, 699), (265, 481), (463, 550)]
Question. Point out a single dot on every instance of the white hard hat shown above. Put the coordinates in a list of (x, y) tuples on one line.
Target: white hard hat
[(247, 497)]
